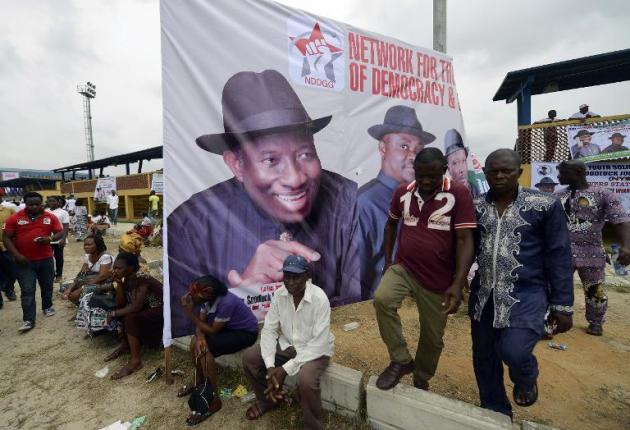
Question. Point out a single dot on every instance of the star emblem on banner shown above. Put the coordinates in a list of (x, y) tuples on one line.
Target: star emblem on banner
[(310, 45), (314, 48)]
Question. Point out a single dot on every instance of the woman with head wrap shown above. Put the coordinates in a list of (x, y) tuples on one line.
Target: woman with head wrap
[(225, 325)]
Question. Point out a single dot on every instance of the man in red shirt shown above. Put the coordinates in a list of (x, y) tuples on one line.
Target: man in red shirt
[(27, 236), (435, 251)]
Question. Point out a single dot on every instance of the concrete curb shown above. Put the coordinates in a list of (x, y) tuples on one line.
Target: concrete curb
[(528, 425), (405, 407), (341, 386), (401, 408)]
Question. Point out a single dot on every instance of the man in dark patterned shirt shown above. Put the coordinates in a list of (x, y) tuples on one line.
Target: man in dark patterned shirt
[(588, 209), (524, 258)]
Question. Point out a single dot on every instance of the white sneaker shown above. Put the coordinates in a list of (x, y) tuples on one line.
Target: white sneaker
[(26, 326), (49, 311)]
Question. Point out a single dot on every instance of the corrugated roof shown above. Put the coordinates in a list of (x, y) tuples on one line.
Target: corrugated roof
[(154, 153), (582, 72)]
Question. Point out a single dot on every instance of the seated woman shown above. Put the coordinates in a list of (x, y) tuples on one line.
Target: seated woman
[(96, 272), (132, 243), (99, 224), (139, 309), (145, 227), (225, 325)]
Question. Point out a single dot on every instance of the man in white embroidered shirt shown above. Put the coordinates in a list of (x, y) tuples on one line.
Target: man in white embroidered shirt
[(295, 340)]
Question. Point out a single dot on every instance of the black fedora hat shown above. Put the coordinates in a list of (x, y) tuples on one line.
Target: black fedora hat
[(546, 181), (583, 133), (622, 136), (401, 119), (453, 142), (255, 104)]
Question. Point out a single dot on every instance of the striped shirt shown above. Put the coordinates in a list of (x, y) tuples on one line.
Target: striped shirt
[(426, 239)]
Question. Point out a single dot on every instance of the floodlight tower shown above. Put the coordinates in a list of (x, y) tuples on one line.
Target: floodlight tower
[(88, 91)]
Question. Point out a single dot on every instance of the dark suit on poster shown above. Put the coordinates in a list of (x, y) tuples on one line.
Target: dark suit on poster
[(219, 229)]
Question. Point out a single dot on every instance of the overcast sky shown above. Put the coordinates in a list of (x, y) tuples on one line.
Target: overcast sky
[(47, 47)]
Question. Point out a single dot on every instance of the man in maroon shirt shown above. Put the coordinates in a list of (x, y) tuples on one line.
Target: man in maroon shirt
[(435, 251), (27, 236)]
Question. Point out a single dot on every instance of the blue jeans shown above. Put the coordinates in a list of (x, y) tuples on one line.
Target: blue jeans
[(42, 271), (113, 216), (7, 273), (491, 348)]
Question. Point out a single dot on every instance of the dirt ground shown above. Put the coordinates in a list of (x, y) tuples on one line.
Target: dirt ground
[(48, 377)]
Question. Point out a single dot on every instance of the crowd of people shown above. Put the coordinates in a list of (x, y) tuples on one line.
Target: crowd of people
[(526, 243)]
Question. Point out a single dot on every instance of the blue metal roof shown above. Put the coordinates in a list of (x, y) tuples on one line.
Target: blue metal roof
[(582, 72)]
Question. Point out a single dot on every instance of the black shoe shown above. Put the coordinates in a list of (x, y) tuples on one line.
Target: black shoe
[(595, 329), (421, 385), (10, 295), (390, 377)]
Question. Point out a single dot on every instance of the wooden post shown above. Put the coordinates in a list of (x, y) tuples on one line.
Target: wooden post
[(168, 365)]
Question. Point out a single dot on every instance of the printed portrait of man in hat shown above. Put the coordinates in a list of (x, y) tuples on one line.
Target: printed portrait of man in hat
[(400, 137), (616, 143), (584, 146), (279, 202), (546, 185), (457, 159)]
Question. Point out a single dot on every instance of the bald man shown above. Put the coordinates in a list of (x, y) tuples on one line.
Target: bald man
[(516, 282)]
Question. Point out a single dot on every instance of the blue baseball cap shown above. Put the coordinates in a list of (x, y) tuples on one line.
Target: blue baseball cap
[(295, 264)]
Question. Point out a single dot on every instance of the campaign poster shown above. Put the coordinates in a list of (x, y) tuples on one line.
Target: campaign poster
[(287, 133), (592, 143), (104, 188), (545, 177), (157, 183), (613, 175)]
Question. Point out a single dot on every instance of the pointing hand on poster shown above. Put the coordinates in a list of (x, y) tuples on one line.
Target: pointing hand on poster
[(266, 264)]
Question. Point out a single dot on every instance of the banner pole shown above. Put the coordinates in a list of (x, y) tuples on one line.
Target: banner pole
[(168, 365)]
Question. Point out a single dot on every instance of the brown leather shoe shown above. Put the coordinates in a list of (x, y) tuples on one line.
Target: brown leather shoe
[(392, 374)]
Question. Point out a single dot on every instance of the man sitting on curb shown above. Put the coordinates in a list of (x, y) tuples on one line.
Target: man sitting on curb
[(435, 251), (295, 340)]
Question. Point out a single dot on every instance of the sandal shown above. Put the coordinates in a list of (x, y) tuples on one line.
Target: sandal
[(196, 418), (185, 390), (124, 371), (525, 398)]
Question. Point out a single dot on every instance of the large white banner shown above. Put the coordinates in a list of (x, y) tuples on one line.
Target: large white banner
[(7, 176), (286, 133), (104, 188)]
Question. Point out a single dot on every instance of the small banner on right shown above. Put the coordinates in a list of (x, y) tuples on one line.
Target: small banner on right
[(612, 175), (599, 142)]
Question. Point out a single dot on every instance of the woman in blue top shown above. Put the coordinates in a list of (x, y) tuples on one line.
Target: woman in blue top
[(225, 325)]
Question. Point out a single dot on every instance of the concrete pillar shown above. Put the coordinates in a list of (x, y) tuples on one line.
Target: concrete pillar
[(439, 25), (129, 207)]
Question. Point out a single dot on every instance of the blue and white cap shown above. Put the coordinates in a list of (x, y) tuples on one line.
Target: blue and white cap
[(295, 264)]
